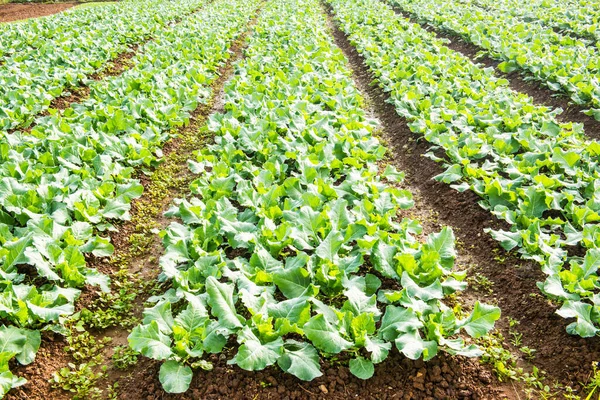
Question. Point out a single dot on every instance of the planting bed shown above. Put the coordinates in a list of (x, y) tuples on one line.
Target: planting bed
[(296, 199)]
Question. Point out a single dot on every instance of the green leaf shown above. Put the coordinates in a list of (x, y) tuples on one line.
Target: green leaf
[(443, 243), (398, 320), (329, 247), (301, 360), (31, 346), (292, 282), (535, 203), (12, 339), (413, 346), (16, 252), (508, 240), (253, 355), (553, 286), (324, 336), (294, 310), (383, 259), (148, 340), (378, 348), (175, 377), (161, 313), (220, 298), (116, 209), (392, 174), (481, 320), (583, 326), (192, 318), (214, 337), (362, 368), (431, 292), (9, 381)]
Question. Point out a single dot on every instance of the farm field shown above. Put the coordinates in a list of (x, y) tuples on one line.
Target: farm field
[(301, 199)]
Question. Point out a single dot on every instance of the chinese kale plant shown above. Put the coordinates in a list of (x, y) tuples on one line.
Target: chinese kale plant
[(292, 244)]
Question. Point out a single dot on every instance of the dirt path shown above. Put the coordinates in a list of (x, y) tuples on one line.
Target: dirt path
[(17, 11), (510, 281), (541, 95)]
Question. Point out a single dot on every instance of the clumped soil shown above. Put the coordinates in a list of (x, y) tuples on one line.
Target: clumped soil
[(50, 358), (17, 11), (518, 80), (565, 358), (443, 377)]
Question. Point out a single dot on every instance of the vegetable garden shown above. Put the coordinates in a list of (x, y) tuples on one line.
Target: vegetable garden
[(299, 199)]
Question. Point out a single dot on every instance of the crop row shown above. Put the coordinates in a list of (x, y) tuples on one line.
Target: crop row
[(291, 242), (72, 175), (30, 79), (576, 17), (539, 176), (25, 36), (34, 32), (562, 63), (21, 38)]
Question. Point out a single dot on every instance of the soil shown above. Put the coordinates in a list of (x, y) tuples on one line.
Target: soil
[(443, 377), (519, 81), (15, 11), (565, 358)]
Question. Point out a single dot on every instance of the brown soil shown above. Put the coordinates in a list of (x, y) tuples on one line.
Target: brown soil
[(443, 377), (565, 358), (517, 79), (15, 12)]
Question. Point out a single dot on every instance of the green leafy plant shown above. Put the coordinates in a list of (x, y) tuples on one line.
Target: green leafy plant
[(538, 175), (68, 180), (573, 18), (291, 243), (124, 357), (561, 62), (80, 379), (46, 58)]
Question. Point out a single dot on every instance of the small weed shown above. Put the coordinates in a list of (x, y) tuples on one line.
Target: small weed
[(112, 391), (85, 346), (481, 282), (114, 308), (594, 383), (124, 357), (517, 337), (505, 367), (498, 257), (80, 379), (528, 352)]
